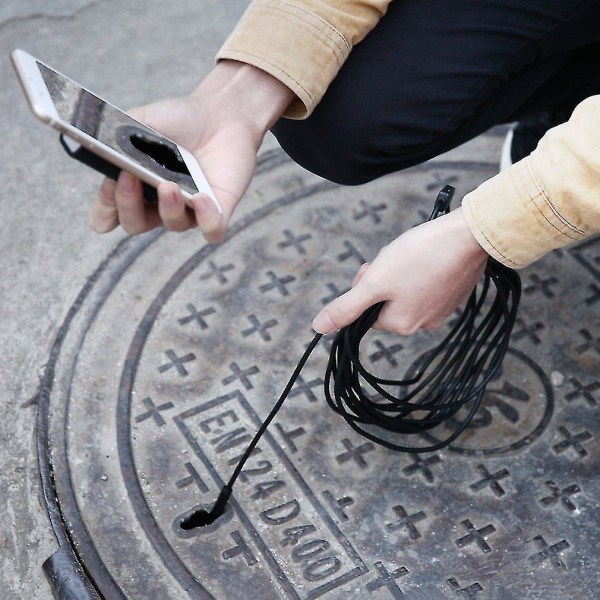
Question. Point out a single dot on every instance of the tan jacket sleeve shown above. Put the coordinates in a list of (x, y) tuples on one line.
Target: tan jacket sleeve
[(303, 43), (545, 201)]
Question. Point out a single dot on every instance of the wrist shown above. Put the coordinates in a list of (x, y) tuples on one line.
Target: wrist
[(255, 93), (468, 239)]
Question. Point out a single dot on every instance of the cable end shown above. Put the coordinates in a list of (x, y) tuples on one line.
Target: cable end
[(221, 504), (204, 518), (442, 203)]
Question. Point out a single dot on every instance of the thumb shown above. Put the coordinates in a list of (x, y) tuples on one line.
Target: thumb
[(168, 117), (344, 310), (210, 218)]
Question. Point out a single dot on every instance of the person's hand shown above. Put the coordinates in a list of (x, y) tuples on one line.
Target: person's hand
[(423, 276), (223, 123)]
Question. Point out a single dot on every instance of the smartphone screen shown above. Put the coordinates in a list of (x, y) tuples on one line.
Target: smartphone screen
[(117, 130)]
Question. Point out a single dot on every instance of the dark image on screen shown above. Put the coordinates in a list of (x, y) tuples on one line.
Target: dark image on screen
[(116, 129)]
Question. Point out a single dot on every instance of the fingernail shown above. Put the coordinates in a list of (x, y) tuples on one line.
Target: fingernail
[(173, 199), (322, 323)]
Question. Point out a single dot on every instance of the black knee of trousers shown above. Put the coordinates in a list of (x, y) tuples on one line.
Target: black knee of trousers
[(342, 151), (415, 87), (328, 154)]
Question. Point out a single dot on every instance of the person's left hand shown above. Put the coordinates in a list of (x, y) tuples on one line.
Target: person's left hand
[(222, 123), (423, 276)]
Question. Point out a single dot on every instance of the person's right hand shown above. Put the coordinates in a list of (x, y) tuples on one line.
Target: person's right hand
[(222, 123)]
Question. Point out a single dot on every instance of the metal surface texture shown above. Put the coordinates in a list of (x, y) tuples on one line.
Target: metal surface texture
[(175, 351)]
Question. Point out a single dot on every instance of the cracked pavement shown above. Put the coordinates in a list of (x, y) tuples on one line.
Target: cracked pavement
[(14, 10)]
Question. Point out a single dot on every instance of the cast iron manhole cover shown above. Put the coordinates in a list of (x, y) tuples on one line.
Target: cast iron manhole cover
[(174, 353)]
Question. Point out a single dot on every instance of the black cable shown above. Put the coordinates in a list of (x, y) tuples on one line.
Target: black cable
[(201, 517), (453, 375)]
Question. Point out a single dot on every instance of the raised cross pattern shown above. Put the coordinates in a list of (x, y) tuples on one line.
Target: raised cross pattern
[(422, 466), (477, 536), (491, 480), (218, 272), (295, 241), (355, 453), (153, 411), (406, 521), (197, 316), (177, 362), (259, 327), (572, 441), (549, 553), (387, 580), (242, 374)]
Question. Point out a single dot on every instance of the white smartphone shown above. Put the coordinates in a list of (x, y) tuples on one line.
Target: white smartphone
[(116, 140)]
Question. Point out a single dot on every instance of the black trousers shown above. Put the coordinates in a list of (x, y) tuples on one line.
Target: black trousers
[(436, 73)]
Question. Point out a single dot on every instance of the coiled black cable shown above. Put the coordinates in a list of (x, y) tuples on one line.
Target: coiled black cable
[(453, 375)]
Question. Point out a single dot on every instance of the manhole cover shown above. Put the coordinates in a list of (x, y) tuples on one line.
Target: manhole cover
[(172, 356)]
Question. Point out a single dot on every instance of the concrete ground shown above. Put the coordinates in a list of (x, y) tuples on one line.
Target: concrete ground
[(132, 52)]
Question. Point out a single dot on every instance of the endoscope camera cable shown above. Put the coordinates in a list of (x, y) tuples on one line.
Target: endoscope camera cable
[(452, 376)]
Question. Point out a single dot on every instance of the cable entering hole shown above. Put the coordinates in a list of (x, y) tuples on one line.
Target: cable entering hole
[(200, 518), (203, 517)]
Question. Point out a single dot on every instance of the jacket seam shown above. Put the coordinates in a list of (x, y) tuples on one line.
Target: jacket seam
[(319, 18), (290, 12), (512, 262), (491, 244), (551, 206)]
